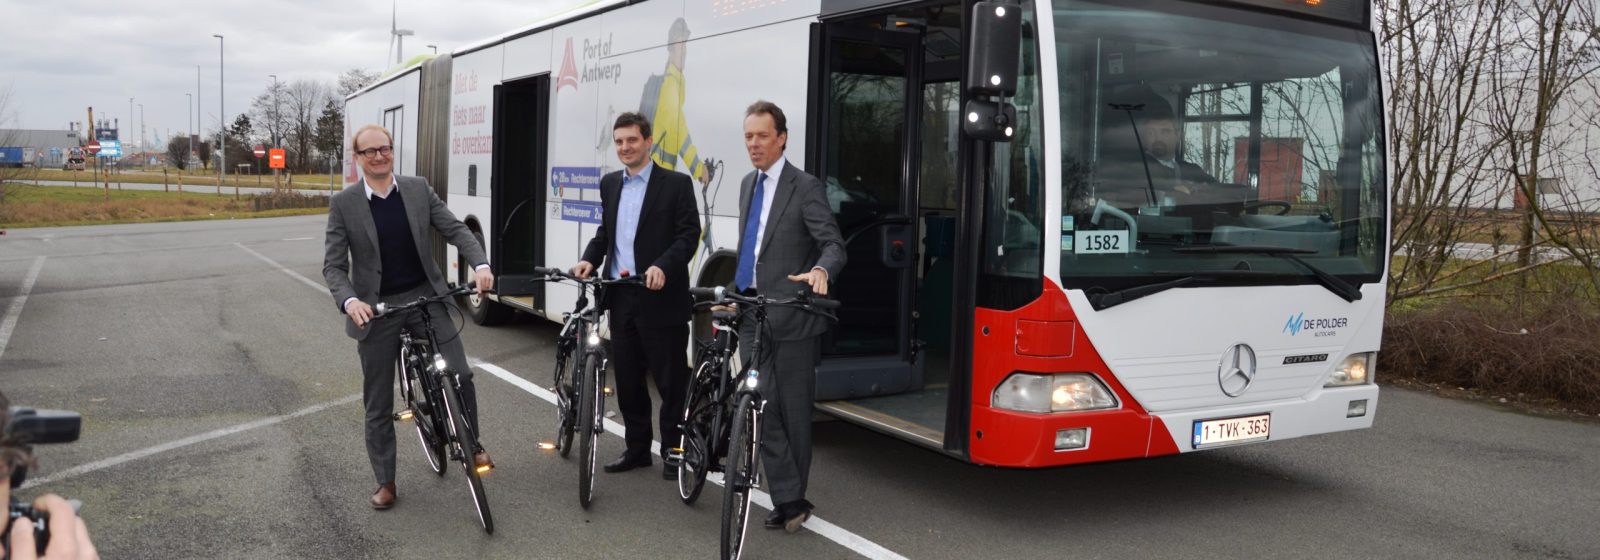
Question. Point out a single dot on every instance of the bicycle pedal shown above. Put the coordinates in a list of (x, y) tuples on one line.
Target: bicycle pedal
[(403, 416)]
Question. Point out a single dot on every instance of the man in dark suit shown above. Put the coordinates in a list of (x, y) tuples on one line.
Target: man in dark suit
[(649, 222), (788, 243), (379, 248)]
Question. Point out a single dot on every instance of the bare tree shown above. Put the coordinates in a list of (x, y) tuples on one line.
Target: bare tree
[(354, 79), (1544, 64), (1432, 53), (305, 101), (1490, 101), (267, 114)]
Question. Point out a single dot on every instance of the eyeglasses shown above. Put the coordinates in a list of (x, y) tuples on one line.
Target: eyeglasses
[(369, 152)]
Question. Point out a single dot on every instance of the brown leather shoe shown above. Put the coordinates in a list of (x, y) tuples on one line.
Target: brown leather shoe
[(384, 496)]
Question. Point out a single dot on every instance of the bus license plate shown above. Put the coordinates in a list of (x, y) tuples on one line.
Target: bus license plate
[(1232, 430)]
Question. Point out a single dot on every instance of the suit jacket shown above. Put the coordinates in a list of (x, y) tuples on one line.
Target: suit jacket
[(351, 264), (669, 229), (800, 234)]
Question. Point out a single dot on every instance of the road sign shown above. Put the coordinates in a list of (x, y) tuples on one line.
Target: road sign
[(261, 151), (93, 147), (111, 148), (276, 161)]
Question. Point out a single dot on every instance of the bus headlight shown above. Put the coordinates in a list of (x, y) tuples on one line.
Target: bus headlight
[(1355, 370), (1062, 392)]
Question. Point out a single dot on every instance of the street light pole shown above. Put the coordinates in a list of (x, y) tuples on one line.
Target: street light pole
[(435, 49), (277, 121), (190, 133), (143, 149), (222, 115)]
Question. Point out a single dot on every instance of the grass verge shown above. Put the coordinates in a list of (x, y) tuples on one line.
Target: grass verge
[(36, 206), (190, 178)]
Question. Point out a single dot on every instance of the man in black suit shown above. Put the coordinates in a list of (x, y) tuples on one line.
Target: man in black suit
[(650, 222), (788, 242), (379, 248)]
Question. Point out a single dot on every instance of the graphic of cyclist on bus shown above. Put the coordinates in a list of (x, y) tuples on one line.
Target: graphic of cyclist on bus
[(662, 104)]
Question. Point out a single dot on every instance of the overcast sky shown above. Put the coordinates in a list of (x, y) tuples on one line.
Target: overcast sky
[(58, 58)]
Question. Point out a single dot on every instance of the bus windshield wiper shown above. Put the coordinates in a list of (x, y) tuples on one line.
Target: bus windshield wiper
[(1102, 301), (1333, 283)]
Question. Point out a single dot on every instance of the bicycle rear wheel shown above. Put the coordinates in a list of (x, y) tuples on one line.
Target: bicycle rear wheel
[(566, 416), (695, 456), (414, 394), (740, 476), (589, 420), (466, 443)]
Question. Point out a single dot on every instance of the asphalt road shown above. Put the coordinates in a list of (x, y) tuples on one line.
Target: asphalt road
[(220, 420)]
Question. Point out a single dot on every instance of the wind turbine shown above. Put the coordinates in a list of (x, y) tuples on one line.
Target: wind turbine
[(397, 36)]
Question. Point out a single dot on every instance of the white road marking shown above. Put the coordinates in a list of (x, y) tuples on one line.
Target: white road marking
[(281, 268), (830, 531), (191, 440), (13, 311), (816, 524), (299, 238)]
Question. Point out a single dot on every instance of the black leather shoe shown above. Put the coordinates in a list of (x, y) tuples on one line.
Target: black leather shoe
[(627, 463), (669, 472), (775, 519)]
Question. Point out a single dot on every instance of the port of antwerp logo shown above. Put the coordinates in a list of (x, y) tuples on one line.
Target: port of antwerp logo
[(569, 70)]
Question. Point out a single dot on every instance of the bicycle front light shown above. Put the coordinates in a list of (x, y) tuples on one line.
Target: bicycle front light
[(594, 335), (438, 362)]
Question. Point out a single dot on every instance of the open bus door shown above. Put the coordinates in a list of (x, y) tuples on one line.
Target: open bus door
[(886, 143), (517, 187)]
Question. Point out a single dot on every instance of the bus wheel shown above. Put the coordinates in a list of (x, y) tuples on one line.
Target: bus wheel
[(484, 311)]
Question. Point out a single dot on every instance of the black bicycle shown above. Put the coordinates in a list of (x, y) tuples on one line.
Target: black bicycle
[(432, 395), (722, 411), (580, 375)]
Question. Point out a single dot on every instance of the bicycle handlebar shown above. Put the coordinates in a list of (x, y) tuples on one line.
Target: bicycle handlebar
[(803, 298), (558, 274), (382, 310)]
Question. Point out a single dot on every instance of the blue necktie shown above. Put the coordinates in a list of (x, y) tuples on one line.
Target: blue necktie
[(746, 275)]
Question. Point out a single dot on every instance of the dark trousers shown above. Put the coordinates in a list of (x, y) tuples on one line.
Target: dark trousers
[(789, 385), (380, 352), (638, 350)]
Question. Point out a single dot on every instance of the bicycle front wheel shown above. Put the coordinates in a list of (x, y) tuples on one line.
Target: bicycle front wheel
[(695, 457), (590, 409), (739, 478), (414, 394), (566, 376), (466, 444)]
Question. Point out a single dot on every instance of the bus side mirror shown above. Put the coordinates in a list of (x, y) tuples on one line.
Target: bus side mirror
[(992, 71), (996, 41), (989, 121)]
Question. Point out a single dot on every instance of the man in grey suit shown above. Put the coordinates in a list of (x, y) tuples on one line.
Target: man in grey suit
[(380, 225), (788, 243)]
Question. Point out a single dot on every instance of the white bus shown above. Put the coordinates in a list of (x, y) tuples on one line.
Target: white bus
[(1081, 290)]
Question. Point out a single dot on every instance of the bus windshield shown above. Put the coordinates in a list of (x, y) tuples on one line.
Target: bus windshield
[(1209, 145)]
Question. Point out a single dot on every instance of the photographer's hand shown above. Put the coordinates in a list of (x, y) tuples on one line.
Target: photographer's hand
[(69, 537)]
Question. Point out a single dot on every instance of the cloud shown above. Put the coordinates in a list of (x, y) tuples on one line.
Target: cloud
[(65, 56)]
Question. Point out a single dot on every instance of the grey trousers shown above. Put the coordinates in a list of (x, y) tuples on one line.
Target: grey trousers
[(789, 385), (379, 352)]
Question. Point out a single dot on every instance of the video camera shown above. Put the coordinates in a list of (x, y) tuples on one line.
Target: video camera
[(29, 427)]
